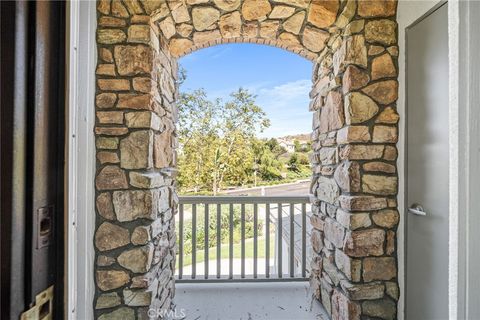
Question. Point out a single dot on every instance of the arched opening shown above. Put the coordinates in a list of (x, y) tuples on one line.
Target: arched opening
[(354, 185)]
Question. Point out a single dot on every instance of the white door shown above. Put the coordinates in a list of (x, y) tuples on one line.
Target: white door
[(427, 168)]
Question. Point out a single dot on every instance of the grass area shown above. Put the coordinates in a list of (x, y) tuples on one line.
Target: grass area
[(212, 252)]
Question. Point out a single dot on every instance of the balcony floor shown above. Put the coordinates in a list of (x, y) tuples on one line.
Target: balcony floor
[(247, 301)]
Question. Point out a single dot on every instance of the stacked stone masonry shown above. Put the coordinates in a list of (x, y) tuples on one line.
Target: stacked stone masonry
[(353, 45)]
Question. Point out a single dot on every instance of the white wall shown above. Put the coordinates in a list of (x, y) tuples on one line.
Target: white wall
[(407, 12)]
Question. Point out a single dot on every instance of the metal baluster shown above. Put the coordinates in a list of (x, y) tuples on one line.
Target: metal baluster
[(255, 240), (194, 240), (304, 240), (267, 240), (180, 242), (230, 242), (279, 240), (219, 238), (292, 240), (242, 224), (207, 227)]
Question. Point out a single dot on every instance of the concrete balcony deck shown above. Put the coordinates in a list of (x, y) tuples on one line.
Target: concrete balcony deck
[(247, 301)]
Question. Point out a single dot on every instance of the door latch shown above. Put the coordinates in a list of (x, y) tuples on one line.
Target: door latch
[(45, 226), (43, 308)]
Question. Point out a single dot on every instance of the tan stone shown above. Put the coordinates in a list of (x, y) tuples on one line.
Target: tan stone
[(383, 309), (121, 313), (111, 131), (111, 178), (331, 116), (134, 204), (140, 18), (108, 300), (334, 232), (137, 260), (317, 241), (381, 31), (106, 69), (137, 298), (179, 47), (352, 51), (111, 279), (314, 39), (204, 17), (113, 117), (390, 247), (179, 12), (281, 12), (327, 190), (105, 206), (383, 67), (146, 180), (118, 10), (256, 9), (105, 100), (328, 156), (353, 221), (354, 27), (361, 152), (112, 22), (250, 29), (141, 235), (269, 29), (106, 55), (107, 157), (167, 26), (385, 134), (294, 23), (163, 150), (152, 5), (347, 176), (364, 243), (203, 37), (133, 60), (354, 78), (369, 291), (347, 14), (390, 153), (231, 25), (323, 13), (143, 85), (376, 8), (386, 218), (374, 50), (185, 30), (136, 150), (393, 50), (353, 134), (383, 268), (143, 119), (359, 108), (110, 236), (227, 5), (351, 268), (103, 6), (379, 167), (362, 203), (113, 84), (391, 288), (381, 185), (133, 101), (133, 6), (343, 308), (110, 36), (389, 116), (106, 143)]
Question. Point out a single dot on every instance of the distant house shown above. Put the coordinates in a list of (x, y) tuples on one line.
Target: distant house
[(288, 145)]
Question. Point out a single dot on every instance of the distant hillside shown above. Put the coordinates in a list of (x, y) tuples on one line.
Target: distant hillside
[(302, 137)]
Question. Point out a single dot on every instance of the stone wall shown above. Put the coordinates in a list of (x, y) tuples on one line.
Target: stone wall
[(355, 178), (355, 130)]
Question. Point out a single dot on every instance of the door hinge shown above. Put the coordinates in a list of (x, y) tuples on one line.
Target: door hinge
[(43, 308)]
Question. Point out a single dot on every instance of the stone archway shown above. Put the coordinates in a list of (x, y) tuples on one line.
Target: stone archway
[(354, 184)]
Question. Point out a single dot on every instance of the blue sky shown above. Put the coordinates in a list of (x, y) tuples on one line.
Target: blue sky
[(280, 79)]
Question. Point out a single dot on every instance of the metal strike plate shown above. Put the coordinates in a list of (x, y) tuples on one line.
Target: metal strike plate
[(45, 226), (43, 308)]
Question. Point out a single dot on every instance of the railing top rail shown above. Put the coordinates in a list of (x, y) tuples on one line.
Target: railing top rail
[(243, 199)]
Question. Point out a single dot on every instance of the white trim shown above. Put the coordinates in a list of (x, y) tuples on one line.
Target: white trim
[(81, 61), (407, 13)]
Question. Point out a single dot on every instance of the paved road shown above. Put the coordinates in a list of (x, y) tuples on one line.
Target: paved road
[(301, 188)]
